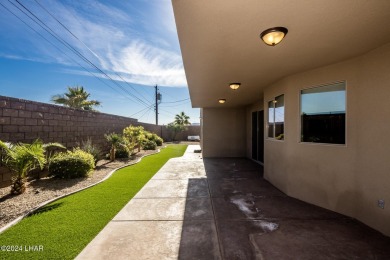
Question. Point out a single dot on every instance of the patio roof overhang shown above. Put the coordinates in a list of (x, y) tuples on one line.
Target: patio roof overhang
[(220, 42)]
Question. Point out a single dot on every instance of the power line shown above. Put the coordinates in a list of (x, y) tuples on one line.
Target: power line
[(96, 55), (66, 44), (176, 101), (168, 111), (145, 113), (151, 106), (60, 49), (147, 116), (177, 104), (166, 92)]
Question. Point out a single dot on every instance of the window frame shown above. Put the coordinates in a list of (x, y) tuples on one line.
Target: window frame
[(274, 117), (300, 114)]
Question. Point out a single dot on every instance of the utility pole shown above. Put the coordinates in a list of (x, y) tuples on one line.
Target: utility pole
[(158, 98)]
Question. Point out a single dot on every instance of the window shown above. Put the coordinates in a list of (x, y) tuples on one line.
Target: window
[(323, 114), (276, 118)]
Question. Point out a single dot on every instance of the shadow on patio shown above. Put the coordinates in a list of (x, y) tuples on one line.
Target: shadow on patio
[(236, 214), (222, 208)]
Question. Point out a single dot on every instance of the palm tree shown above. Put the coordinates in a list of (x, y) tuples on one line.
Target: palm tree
[(182, 119), (115, 141), (23, 158), (76, 97)]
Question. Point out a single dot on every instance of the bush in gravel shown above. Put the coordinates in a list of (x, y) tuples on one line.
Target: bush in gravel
[(89, 147), (122, 153), (149, 145), (72, 164), (155, 138), (152, 137)]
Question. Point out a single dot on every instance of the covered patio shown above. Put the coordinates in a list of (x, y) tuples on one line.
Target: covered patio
[(222, 208)]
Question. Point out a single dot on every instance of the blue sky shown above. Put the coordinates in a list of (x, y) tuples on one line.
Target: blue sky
[(134, 43)]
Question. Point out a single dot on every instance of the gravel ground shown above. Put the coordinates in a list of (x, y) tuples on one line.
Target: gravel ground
[(44, 189)]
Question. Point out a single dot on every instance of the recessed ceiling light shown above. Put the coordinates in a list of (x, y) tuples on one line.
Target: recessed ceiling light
[(222, 100), (235, 86), (273, 36)]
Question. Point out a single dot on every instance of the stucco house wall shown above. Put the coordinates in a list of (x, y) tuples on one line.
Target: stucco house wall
[(350, 178), (224, 132)]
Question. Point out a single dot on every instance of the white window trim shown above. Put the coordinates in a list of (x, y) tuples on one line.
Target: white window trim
[(267, 122)]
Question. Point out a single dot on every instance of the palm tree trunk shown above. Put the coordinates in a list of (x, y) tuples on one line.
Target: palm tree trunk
[(18, 185), (112, 154)]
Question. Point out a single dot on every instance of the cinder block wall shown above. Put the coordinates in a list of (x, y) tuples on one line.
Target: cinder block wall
[(25, 120)]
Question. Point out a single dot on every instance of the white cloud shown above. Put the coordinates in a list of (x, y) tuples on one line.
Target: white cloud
[(148, 65), (113, 39), (121, 49), (143, 64)]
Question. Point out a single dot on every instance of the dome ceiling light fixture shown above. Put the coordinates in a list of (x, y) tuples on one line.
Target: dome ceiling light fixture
[(273, 36), (222, 100), (234, 86)]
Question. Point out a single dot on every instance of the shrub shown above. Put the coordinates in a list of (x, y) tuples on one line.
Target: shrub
[(89, 147), (122, 153), (149, 145), (158, 140), (133, 137), (153, 137), (175, 128), (72, 164)]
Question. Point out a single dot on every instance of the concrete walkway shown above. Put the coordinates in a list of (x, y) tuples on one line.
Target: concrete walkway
[(223, 209)]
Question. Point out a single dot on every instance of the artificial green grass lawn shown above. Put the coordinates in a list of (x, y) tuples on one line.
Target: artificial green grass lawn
[(64, 227)]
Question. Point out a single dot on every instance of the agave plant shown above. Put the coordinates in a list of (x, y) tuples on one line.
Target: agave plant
[(22, 159)]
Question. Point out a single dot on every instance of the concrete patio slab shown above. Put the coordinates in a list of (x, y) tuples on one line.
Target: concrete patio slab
[(136, 240), (167, 209), (179, 170), (328, 239), (247, 206), (220, 188), (174, 189), (199, 240), (232, 213)]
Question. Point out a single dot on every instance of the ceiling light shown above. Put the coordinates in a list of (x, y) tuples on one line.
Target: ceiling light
[(235, 86), (273, 36), (222, 100)]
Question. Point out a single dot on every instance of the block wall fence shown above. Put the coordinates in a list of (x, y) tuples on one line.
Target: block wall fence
[(25, 120)]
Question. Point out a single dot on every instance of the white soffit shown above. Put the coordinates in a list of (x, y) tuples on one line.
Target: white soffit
[(220, 41)]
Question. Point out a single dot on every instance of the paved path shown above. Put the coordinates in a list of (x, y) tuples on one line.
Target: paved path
[(229, 213)]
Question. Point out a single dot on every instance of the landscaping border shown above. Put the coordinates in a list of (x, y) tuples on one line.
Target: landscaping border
[(30, 212)]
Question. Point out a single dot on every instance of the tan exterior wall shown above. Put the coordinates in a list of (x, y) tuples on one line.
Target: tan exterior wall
[(224, 132), (348, 179)]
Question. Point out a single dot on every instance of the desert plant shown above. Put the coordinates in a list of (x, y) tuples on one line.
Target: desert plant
[(122, 152), (149, 145), (115, 141), (153, 137), (3, 152), (89, 147), (72, 164), (22, 159), (133, 136), (159, 141), (51, 149), (175, 128)]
